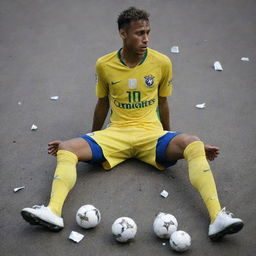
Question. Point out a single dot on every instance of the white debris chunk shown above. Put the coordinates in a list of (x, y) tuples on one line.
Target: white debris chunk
[(217, 66), (164, 193), (33, 127), (19, 103), (163, 243), (202, 105), (18, 189), (75, 236), (175, 49), (245, 59), (54, 97)]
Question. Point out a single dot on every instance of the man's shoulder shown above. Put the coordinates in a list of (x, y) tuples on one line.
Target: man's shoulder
[(156, 55), (106, 58)]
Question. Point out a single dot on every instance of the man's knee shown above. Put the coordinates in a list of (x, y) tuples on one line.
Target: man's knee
[(183, 140), (79, 147), (188, 139), (177, 145)]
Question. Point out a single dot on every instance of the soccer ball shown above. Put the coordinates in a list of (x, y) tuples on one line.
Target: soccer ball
[(124, 229), (180, 241), (164, 225), (88, 216)]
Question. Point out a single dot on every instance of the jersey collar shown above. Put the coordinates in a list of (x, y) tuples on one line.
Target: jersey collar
[(121, 60)]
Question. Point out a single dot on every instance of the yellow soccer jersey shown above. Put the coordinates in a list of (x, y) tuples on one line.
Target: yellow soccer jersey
[(133, 92)]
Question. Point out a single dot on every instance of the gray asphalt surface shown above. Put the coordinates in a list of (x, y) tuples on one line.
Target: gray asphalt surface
[(49, 48)]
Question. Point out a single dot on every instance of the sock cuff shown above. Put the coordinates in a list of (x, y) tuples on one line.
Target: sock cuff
[(193, 150), (65, 155)]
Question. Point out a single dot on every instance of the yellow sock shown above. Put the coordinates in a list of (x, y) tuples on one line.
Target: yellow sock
[(64, 180), (201, 177)]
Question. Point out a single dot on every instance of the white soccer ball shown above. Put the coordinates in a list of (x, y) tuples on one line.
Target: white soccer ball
[(124, 229), (180, 241), (164, 225), (88, 216)]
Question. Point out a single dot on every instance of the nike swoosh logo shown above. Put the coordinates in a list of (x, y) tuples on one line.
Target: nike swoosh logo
[(115, 82)]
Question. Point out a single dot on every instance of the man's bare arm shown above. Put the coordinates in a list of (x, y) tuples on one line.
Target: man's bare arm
[(164, 112), (100, 113)]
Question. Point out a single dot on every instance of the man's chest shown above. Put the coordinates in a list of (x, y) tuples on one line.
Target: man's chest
[(145, 81)]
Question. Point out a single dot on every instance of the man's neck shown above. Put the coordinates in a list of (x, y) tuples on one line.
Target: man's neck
[(131, 59)]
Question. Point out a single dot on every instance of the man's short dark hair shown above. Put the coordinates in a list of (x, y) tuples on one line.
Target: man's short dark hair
[(131, 14)]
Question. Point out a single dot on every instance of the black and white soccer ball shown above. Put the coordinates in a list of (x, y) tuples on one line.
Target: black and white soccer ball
[(124, 229), (164, 225), (88, 216), (180, 241)]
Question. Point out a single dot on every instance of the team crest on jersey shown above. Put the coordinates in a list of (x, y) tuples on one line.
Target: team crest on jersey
[(149, 80)]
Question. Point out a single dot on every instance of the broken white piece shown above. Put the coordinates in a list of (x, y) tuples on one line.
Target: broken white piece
[(75, 236), (217, 66), (163, 243), (164, 193), (202, 105), (245, 59), (19, 103), (54, 97), (18, 189), (34, 127), (175, 49)]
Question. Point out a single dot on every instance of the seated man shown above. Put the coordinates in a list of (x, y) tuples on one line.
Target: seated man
[(135, 82)]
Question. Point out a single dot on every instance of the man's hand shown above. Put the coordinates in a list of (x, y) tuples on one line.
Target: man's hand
[(211, 152), (53, 147)]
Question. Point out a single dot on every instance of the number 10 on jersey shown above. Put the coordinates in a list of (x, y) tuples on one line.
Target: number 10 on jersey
[(133, 96)]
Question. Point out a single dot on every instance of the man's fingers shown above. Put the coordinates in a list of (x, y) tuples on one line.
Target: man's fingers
[(52, 152), (55, 142), (52, 147)]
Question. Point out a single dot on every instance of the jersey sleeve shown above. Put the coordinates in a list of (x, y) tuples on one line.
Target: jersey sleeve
[(101, 82), (165, 85)]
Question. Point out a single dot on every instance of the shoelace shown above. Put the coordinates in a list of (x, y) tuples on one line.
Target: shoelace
[(230, 214)]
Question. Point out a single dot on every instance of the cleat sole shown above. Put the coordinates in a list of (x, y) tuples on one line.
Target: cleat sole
[(34, 220), (232, 229)]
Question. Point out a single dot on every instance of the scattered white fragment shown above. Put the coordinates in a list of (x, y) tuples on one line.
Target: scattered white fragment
[(54, 97), (175, 49), (19, 103), (245, 59), (163, 243), (202, 105), (164, 193), (18, 189), (217, 66), (34, 127), (75, 236)]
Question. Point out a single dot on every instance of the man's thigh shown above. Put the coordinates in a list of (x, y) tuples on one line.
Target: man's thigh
[(153, 150), (114, 143)]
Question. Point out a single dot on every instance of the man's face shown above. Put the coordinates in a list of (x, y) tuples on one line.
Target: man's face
[(136, 36)]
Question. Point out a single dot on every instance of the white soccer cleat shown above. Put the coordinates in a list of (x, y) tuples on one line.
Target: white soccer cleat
[(224, 224), (41, 215)]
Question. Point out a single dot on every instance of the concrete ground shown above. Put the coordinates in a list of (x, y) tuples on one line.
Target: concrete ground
[(50, 47)]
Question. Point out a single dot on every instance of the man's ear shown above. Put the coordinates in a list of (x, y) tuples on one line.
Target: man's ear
[(123, 33)]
